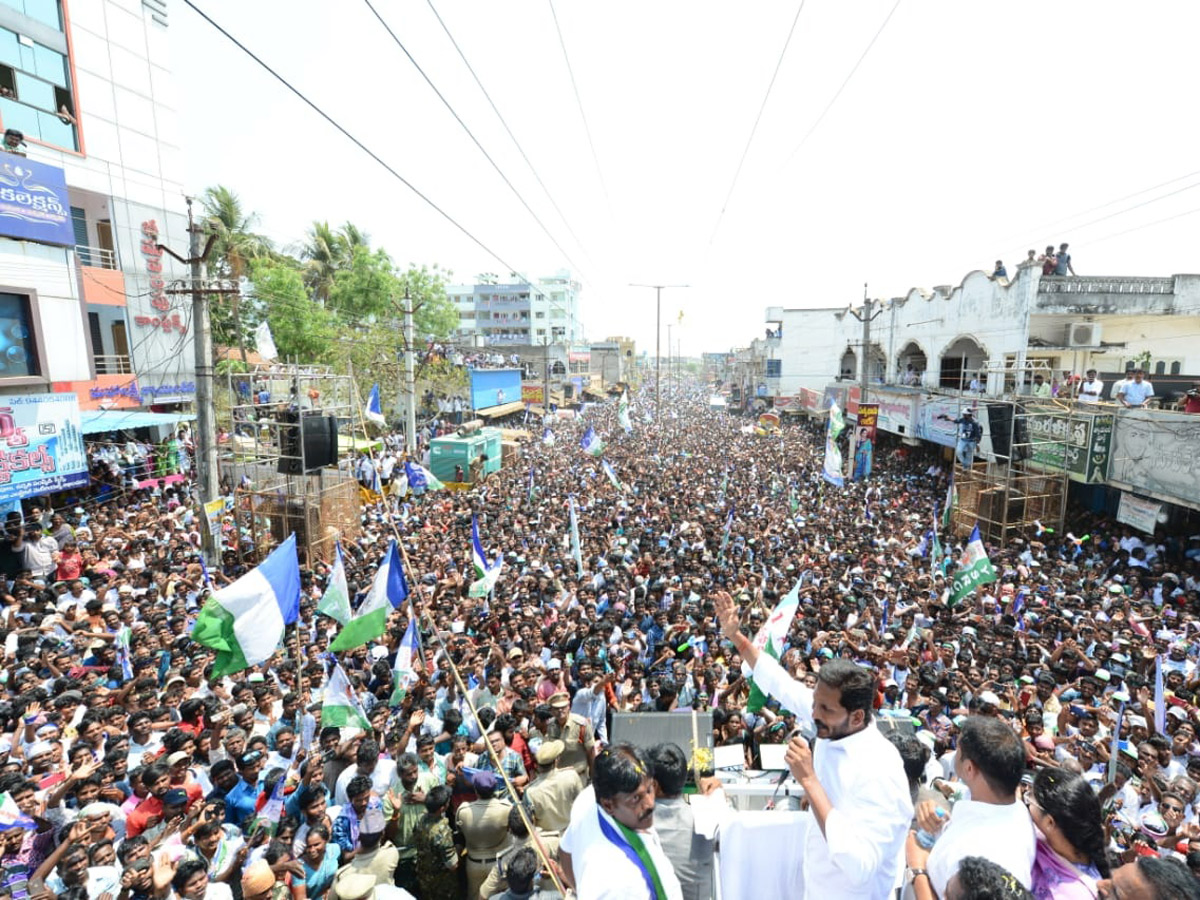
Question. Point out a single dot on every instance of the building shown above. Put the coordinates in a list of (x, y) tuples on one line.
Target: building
[(85, 285), (982, 344), (518, 313)]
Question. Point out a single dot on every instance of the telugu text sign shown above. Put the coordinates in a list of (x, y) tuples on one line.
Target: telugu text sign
[(41, 446), (34, 204)]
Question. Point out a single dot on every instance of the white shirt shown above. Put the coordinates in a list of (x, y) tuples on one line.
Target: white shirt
[(1090, 391), (1000, 833), (859, 854), (381, 780), (602, 870)]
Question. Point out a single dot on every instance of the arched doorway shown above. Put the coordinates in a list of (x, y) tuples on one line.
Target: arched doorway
[(848, 368), (911, 364), (961, 361)]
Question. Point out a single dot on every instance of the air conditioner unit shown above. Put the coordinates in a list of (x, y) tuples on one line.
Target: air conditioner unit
[(1083, 334)]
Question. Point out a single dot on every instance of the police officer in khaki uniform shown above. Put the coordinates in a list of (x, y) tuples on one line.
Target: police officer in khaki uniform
[(497, 879), (551, 795), (579, 743), (484, 827)]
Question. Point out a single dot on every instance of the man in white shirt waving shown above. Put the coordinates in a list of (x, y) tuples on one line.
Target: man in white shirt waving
[(993, 824), (853, 777)]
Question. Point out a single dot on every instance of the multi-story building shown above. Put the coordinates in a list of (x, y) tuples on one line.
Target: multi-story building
[(984, 343), (518, 313), (87, 304)]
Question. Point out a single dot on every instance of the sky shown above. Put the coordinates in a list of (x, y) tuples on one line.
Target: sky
[(959, 134)]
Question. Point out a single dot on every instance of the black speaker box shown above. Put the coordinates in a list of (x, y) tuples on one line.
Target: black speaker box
[(320, 436)]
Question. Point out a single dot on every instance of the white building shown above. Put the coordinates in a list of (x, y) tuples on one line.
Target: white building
[(519, 313), (994, 330), (85, 305)]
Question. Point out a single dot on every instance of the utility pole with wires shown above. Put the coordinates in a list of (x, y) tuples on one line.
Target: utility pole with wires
[(410, 376), (868, 314), (207, 475), (658, 289)]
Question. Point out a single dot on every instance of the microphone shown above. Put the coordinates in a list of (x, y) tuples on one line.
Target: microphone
[(809, 733)]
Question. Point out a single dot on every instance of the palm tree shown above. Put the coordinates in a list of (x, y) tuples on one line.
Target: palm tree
[(235, 246), (236, 243), (326, 252)]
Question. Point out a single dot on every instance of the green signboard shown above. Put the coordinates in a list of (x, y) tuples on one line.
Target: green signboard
[(1075, 444)]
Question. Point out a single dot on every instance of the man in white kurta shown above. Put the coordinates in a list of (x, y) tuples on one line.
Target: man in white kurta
[(859, 853), (860, 802)]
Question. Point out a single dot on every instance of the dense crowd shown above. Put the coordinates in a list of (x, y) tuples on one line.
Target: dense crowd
[(127, 773)]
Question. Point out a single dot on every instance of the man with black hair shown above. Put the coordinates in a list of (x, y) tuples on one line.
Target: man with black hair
[(522, 874), (437, 857), (853, 777), (990, 760), (1150, 879), (369, 762), (611, 850), (690, 853), (981, 879)]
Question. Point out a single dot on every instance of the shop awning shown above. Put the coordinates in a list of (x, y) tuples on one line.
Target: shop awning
[(98, 421), (504, 409), (346, 442)]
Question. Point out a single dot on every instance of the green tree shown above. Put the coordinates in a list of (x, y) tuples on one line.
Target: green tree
[(235, 246), (326, 252), (435, 315), (303, 330), (365, 289)]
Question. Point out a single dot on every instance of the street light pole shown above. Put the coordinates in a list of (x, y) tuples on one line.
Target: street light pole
[(658, 289)]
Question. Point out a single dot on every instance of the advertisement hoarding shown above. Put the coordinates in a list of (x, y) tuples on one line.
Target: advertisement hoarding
[(34, 205), (491, 387), (864, 440), (41, 446)]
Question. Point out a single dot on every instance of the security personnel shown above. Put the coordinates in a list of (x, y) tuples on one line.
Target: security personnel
[(497, 880), (484, 827), (575, 731), (551, 795)]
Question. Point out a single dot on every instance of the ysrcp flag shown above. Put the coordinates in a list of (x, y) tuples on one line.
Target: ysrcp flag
[(264, 342), (335, 602), (976, 569), (771, 639), (388, 591), (833, 456), (374, 412), (590, 443), (244, 621), (403, 674), (623, 412)]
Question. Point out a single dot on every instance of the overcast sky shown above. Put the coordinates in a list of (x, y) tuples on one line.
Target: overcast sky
[(970, 132)]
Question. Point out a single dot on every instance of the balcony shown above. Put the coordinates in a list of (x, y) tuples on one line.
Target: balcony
[(96, 257), (113, 364), (1103, 295)]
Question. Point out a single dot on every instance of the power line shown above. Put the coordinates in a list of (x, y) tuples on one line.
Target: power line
[(1187, 212), (516, 143), (365, 149), (1128, 209), (1093, 209), (471, 135), (578, 102), (829, 105), (754, 127)]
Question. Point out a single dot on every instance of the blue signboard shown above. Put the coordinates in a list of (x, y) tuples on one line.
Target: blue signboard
[(41, 446), (33, 201), (491, 387)]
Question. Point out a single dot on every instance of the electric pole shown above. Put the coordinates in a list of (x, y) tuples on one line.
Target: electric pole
[(658, 289), (410, 376), (207, 477), (868, 314)]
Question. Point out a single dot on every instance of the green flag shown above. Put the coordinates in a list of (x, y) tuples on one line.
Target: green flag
[(770, 640), (976, 569)]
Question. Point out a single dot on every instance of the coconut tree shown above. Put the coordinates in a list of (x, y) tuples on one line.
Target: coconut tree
[(235, 247)]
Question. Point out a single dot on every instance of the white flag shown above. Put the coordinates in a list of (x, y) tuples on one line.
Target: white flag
[(264, 342)]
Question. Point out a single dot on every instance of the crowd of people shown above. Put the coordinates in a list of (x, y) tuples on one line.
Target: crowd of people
[(1037, 761)]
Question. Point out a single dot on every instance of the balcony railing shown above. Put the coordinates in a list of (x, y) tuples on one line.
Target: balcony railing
[(96, 257), (1105, 285), (113, 364)]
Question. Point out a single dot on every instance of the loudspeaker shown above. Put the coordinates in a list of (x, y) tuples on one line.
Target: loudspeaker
[(1004, 431), (647, 729), (1000, 427), (320, 437)]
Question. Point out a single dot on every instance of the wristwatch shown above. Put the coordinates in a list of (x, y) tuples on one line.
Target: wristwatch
[(913, 874)]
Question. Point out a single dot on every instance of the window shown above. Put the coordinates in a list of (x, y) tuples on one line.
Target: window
[(1175, 367), (18, 353), (36, 96), (539, 315), (44, 11), (774, 368), (1160, 368)]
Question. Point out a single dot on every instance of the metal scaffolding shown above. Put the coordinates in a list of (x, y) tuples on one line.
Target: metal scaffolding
[(1020, 475), (264, 465)]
